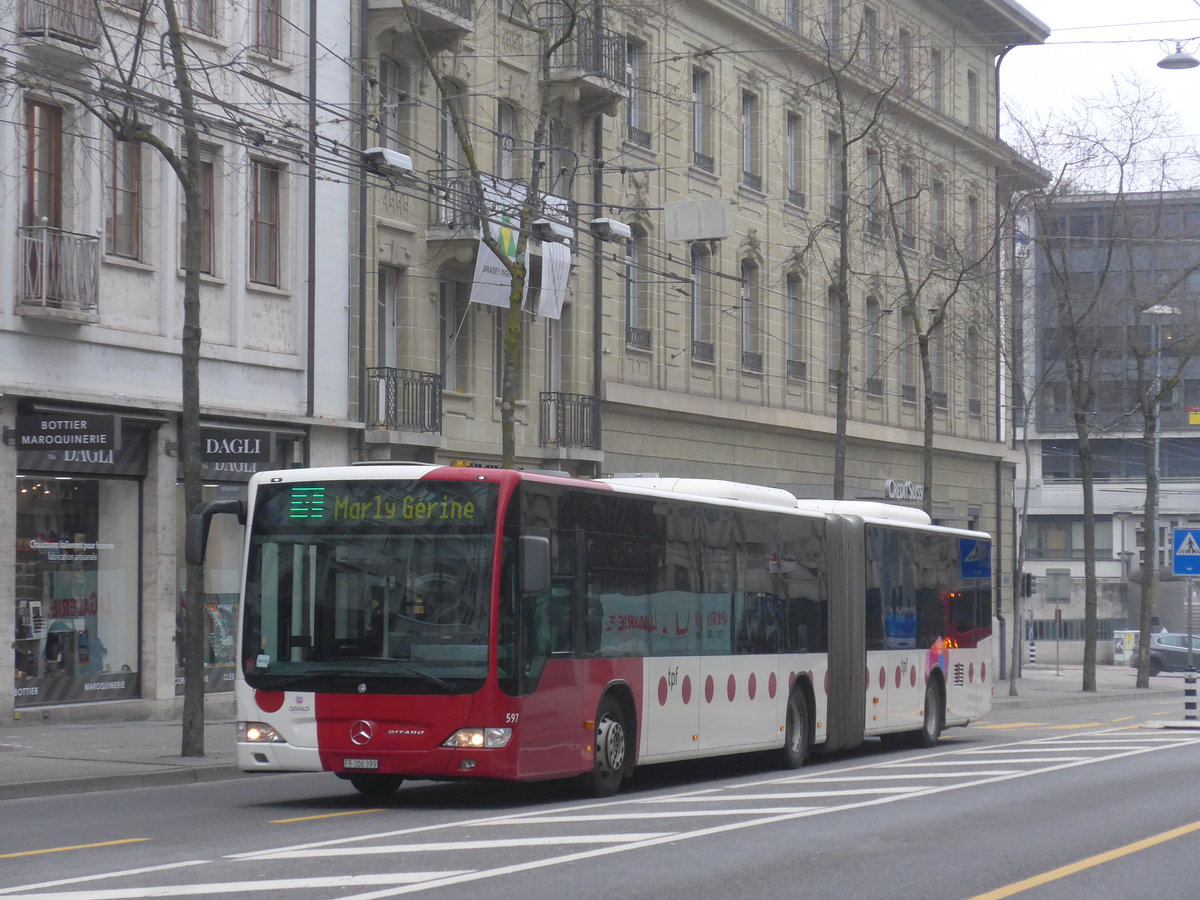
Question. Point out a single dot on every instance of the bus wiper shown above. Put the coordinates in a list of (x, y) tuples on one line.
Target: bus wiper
[(408, 667)]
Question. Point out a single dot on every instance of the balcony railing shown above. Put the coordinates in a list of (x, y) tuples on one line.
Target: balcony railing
[(591, 50), (569, 420), (460, 8), (637, 338), (703, 351), (752, 361), (797, 370), (404, 400), (456, 201), (59, 269), (72, 21)]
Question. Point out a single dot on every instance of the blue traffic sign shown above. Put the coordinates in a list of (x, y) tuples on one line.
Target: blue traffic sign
[(1187, 551)]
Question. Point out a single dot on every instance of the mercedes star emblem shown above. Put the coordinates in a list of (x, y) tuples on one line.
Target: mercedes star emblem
[(360, 733)]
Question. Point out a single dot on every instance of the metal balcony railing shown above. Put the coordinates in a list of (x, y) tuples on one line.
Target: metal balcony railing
[(460, 8), (590, 50), (569, 420), (404, 400), (73, 21), (456, 201), (59, 269)]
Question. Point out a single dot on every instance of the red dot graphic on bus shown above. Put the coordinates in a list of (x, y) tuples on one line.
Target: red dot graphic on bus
[(752, 686), (731, 688), (827, 681), (882, 678), (269, 701), (898, 676), (662, 691), (971, 673), (708, 689), (912, 676), (687, 689), (983, 673), (772, 686)]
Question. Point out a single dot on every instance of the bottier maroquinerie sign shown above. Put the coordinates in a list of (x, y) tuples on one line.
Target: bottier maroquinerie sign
[(66, 431)]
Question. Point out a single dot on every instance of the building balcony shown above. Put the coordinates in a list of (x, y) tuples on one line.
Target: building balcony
[(569, 420), (440, 22), (458, 204), (59, 274), (592, 59), (69, 22), (404, 400)]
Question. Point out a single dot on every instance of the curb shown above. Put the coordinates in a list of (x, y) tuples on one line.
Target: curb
[(61, 786), (1007, 702)]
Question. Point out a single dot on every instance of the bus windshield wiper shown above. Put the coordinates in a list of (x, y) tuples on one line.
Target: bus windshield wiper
[(388, 662)]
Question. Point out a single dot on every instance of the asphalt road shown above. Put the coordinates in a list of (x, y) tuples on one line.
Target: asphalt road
[(1053, 796)]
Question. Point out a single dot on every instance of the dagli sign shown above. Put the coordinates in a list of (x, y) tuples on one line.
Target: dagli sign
[(903, 490)]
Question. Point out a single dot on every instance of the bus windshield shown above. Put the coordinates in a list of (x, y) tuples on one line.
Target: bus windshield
[(387, 583)]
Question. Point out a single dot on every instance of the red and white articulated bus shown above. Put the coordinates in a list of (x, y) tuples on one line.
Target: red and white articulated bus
[(433, 622)]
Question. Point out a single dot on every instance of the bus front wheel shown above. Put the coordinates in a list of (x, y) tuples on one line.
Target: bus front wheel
[(375, 785), (931, 724), (611, 746), (796, 732)]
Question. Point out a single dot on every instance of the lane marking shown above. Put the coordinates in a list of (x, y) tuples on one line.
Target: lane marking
[(983, 762), (1088, 863), (661, 814), (1012, 725), (123, 872), (248, 888), (72, 847), (333, 815), (458, 846)]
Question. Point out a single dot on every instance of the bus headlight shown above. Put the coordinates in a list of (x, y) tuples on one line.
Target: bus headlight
[(258, 733), (479, 738)]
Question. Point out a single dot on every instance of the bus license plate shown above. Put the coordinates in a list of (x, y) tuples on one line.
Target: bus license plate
[(360, 764)]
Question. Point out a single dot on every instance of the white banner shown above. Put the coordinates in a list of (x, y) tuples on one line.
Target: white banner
[(492, 283), (556, 269)]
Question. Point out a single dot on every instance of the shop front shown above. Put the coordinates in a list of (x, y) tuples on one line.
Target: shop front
[(78, 502)]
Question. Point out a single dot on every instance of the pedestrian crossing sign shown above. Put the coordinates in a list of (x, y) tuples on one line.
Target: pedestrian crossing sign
[(1187, 551)]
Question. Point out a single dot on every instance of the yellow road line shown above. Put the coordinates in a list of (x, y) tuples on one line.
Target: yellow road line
[(349, 812), (1090, 862), (1013, 725), (1071, 727), (1123, 719), (73, 847)]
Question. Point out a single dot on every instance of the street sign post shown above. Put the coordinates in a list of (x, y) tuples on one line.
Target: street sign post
[(1186, 561)]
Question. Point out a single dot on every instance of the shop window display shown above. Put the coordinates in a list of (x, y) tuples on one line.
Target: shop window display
[(77, 589)]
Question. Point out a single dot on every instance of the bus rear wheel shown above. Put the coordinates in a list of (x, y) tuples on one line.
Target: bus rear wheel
[(796, 732), (611, 744), (931, 724), (375, 785)]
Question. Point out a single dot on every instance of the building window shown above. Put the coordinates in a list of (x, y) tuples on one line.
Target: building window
[(832, 25), (974, 363), (702, 121), (833, 334), (751, 174), (872, 194), (454, 337), (870, 39), (972, 98), (268, 27), (752, 326), (197, 15), (264, 227), (393, 105), (795, 159), (702, 303), (937, 225), (43, 164), (908, 207), (904, 71), (908, 358), (874, 348), (936, 79), (635, 107), (937, 365), (835, 186), (123, 224), (637, 327), (792, 13), (506, 139), (1053, 537), (797, 332), (974, 250), (207, 220)]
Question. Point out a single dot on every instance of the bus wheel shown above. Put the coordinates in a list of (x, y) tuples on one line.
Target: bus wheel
[(376, 785), (611, 745), (931, 726), (796, 735)]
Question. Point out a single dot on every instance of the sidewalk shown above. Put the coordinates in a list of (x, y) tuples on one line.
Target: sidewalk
[(39, 758)]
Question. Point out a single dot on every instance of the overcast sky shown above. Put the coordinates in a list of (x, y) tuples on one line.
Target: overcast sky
[(1093, 41)]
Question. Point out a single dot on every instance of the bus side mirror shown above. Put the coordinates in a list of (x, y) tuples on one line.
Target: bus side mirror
[(198, 522), (534, 562)]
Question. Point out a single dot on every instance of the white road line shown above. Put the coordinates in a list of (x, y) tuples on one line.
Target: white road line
[(663, 814), (983, 762), (248, 888), (899, 776), (459, 846), (796, 795), (122, 873)]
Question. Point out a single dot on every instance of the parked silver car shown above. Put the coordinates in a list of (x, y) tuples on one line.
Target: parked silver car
[(1169, 652)]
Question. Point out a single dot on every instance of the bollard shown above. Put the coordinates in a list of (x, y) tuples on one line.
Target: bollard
[(1189, 696), (1033, 653)]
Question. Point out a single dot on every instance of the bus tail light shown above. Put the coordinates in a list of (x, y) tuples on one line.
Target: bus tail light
[(258, 733), (479, 738)]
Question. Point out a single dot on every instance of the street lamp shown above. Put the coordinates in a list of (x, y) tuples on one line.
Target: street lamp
[(1180, 59)]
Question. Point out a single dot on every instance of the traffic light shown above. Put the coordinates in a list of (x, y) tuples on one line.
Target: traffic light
[(1027, 585)]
